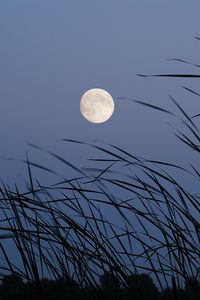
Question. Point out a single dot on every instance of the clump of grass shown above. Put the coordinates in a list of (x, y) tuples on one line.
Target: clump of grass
[(126, 215)]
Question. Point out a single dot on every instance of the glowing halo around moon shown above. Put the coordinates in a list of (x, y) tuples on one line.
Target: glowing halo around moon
[(97, 105)]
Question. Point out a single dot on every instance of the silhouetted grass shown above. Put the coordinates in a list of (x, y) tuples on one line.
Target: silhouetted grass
[(125, 216)]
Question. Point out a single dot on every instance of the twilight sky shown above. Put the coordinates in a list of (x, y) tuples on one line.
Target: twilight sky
[(52, 51)]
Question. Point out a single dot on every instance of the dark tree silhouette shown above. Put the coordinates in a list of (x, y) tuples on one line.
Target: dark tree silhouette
[(11, 286), (192, 288), (136, 287), (111, 285), (143, 286)]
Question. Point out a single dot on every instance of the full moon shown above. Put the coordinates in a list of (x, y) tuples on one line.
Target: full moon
[(96, 105)]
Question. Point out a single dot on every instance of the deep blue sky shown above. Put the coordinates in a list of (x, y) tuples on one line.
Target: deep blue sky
[(52, 51)]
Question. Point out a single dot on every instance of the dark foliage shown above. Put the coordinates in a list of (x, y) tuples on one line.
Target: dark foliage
[(139, 286)]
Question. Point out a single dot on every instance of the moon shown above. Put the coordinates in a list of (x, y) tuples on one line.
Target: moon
[(96, 105)]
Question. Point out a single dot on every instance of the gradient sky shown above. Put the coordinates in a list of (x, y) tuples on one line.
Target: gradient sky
[(52, 51)]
